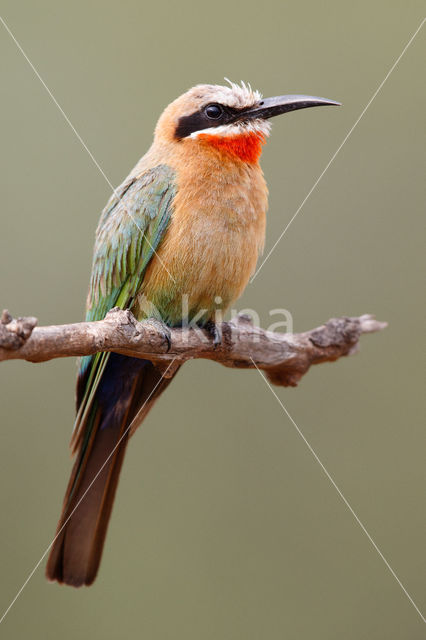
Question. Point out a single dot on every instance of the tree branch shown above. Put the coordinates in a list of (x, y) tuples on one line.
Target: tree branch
[(285, 358)]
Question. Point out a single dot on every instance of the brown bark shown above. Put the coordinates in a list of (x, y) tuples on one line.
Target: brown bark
[(285, 358)]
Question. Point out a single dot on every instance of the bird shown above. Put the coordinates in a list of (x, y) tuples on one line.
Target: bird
[(187, 223)]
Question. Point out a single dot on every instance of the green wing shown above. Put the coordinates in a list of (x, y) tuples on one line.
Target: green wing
[(130, 230)]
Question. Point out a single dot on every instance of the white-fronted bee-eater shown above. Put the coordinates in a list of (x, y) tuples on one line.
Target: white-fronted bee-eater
[(189, 221)]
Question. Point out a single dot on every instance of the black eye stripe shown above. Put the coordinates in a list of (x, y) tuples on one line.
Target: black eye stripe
[(199, 120)]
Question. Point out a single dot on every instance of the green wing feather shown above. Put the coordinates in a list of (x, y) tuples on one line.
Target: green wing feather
[(130, 230)]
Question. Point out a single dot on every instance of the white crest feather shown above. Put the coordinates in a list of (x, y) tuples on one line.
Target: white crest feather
[(238, 96), (244, 93)]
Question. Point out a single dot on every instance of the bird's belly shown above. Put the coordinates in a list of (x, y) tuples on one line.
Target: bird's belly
[(201, 268), (212, 243)]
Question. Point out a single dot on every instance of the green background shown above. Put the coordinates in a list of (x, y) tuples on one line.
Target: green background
[(225, 526)]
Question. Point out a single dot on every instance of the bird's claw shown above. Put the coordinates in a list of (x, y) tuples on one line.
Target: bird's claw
[(163, 330), (214, 331)]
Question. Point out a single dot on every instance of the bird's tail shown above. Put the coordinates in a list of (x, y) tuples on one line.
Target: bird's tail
[(124, 391)]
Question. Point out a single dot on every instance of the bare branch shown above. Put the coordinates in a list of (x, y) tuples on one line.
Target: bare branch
[(285, 358)]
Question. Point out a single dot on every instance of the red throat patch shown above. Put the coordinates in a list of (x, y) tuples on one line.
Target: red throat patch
[(247, 147)]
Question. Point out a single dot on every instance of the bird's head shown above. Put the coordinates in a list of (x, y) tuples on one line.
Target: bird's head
[(233, 120)]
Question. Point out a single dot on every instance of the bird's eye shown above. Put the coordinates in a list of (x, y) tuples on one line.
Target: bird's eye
[(213, 111)]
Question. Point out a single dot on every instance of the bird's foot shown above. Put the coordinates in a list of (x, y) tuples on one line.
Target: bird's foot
[(162, 329), (215, 332)]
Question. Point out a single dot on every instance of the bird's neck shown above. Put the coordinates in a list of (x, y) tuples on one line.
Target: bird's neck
[(246, 147)]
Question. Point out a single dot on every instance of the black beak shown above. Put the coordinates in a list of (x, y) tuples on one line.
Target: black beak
[(270, 107)]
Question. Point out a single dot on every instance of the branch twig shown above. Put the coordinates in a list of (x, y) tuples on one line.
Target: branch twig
[(285, 358)]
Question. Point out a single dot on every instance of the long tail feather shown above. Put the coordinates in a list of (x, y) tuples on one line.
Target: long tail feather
[(125, 393)]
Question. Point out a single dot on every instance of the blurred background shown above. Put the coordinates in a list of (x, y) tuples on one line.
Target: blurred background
[(224, 526)]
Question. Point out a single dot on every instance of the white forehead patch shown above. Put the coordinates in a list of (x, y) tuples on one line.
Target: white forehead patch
[(237, 96)]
